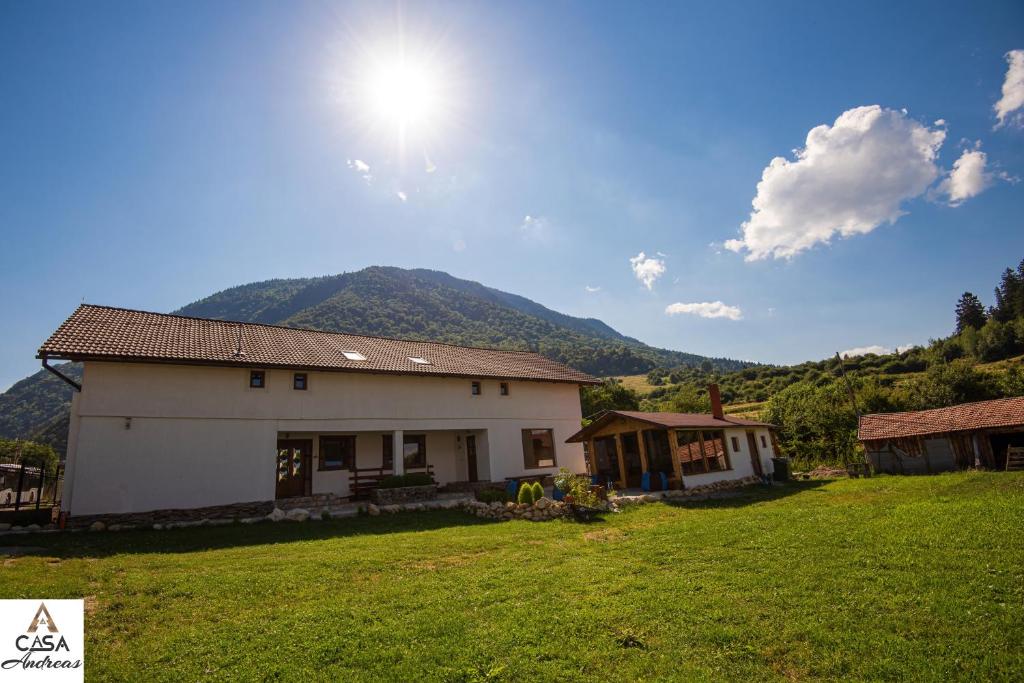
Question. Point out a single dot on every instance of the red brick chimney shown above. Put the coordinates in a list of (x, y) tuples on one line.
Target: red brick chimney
[(716, 401)]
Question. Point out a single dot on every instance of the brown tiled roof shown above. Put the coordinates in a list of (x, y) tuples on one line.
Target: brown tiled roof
[(666, 421), (1002, 412), (112, 334)]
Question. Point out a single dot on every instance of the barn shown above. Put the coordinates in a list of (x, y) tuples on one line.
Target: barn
[(984, 434)]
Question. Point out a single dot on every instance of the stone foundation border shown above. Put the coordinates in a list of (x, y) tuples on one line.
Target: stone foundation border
[(264, 511)]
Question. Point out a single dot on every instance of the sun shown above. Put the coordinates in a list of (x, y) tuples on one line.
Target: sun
[(404, 94)]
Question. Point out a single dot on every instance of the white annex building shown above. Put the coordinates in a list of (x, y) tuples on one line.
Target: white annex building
[(177, 413)]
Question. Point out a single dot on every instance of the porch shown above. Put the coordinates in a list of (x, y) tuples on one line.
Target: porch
[(658, 451), (348, 465)]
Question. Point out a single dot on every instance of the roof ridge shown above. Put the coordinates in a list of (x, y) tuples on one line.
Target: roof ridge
[(307, 329), (942, 408)]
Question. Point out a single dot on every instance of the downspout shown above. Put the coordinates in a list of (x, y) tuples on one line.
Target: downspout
[(73, 383)]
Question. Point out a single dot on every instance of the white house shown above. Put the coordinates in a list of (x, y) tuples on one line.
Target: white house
[(178, 413)]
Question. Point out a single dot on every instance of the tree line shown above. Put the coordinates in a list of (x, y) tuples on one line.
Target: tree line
[(811, 404)]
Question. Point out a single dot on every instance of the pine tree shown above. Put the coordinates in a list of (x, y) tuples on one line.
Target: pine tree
[(1009, 296), (969, 312)]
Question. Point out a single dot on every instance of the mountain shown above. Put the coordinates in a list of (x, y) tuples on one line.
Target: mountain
[(389, 302)]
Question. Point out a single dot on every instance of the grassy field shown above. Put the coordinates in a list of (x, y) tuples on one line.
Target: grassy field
[(886, 579)]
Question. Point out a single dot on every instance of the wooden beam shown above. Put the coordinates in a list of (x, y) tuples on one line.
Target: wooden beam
[(643, 451), (677, 466), (592, 453), (622, 460)]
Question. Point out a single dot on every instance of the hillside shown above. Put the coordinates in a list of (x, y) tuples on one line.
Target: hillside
[(391, 302)]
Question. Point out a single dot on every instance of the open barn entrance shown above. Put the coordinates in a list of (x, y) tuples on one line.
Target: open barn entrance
[(1000, 442)]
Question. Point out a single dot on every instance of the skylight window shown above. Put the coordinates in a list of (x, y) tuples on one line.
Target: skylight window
[(419, 360), (353, 355)]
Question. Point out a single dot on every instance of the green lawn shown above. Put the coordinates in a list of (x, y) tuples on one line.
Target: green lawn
[(889, 578)]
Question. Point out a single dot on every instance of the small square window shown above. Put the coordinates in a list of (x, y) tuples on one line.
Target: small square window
[(475, 388), (735, 445), (299, 381), (353, 355), (419, 360), (257, 379), (503, 388)]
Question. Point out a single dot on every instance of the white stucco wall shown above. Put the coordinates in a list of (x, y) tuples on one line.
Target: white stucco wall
[(200, 436), (740, 460)]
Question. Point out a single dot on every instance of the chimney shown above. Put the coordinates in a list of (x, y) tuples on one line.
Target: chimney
[(716, 401)]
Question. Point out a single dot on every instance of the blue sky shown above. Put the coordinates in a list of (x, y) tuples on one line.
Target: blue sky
[(151, 154)]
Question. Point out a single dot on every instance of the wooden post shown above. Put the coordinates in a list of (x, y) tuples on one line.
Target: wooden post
[(643, 450), (622, 460), (677, 467), (592, 456)]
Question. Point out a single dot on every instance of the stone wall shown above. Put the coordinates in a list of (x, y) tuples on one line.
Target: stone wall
[(148, 519), (404, 494)]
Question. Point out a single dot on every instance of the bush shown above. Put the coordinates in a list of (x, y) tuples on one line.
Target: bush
[(491, 496), (525, 494), (398, 481), (538, 491), (576, 486)]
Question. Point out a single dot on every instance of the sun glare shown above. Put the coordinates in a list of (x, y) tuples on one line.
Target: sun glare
[(404, 94)]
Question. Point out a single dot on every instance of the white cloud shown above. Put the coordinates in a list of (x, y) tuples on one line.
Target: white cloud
[(403, 196), (647, 270), (968, 178), (360, 167), (707, 309), (535, 228), (876, 349), (459, 245), (849, 179), (865, 350), (592, 290), (1013, 90)]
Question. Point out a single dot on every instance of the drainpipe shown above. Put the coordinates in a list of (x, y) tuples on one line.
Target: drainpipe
[(73, 383)]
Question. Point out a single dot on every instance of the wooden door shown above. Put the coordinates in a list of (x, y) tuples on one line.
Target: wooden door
[(471, 457), (294, 474), (755, 457)]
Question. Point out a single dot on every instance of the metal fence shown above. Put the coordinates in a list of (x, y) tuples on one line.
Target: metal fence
[(26, 486)]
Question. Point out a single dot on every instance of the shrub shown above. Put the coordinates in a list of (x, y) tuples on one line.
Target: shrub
[(491, 496), (576, 486), (525, 494), (538, 491), (398, 481)]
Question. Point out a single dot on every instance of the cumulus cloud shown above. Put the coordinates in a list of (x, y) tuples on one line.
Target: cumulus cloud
[(849, 178), (647, 270), (706, 309), (876, 349), (592, 290), (968, 178), (1009, 106)]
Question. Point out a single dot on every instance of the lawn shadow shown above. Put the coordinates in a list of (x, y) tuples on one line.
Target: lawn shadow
[(749, 495), (86, 544)]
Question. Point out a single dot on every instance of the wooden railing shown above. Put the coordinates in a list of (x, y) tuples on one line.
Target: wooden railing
[(363, 480)]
